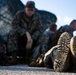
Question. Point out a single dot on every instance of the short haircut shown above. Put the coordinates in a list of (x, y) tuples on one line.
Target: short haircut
[(53, 26), (72, 22)]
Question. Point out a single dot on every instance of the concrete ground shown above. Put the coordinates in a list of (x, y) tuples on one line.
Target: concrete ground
[(25, 70)]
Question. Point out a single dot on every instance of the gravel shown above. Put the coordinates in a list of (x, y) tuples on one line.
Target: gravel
[(25, 70)]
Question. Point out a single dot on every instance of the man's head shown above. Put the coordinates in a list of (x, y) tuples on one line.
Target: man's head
[(30, 8), (73, 24), (53, 27)]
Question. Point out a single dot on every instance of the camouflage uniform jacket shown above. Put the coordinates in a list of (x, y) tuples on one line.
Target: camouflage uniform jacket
[(22, 23), (67, 28), (45, 40)]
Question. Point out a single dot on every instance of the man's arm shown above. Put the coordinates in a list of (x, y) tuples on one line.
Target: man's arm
[(16, 25), (38, 28)]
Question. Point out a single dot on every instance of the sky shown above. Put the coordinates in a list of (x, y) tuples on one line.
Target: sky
[(63, 9)]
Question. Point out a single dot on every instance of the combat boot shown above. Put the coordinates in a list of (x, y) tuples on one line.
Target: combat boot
[(38, 62), (13, 59), (62, 61), (73, 49)]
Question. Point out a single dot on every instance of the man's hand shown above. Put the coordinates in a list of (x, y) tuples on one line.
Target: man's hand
[(29, 41)]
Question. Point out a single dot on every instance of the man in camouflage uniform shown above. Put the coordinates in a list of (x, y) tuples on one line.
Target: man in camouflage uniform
[(63, 54), (26, 30), (43, 43)]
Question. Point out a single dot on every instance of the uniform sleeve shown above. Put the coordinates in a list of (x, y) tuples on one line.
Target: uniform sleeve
[(38, 29), (16, 25)]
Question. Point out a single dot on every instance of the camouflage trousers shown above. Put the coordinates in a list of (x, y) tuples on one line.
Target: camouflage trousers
[(38, 51), (3, 57), (16, 42)]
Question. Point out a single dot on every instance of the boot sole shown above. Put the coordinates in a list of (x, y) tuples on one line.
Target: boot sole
[(60, 63), (73, 46)]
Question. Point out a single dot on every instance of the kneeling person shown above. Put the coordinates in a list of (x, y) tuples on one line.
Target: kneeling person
[(26, 29)]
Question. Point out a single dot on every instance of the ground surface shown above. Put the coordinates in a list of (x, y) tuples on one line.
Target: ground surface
[(25, 70)]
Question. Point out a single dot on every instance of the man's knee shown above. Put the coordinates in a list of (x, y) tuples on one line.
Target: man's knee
[(12, 33), (12, 41)]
